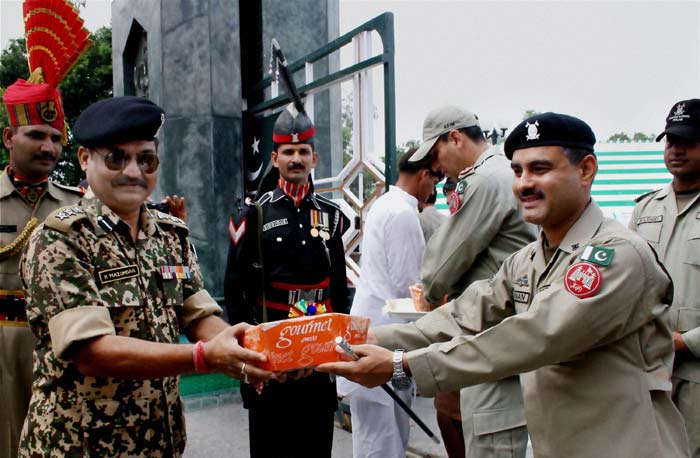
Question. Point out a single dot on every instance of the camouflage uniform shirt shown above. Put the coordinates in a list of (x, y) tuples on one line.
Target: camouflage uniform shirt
[(85, 277)]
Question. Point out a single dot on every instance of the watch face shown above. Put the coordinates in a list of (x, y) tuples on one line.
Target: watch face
[(401, 383)]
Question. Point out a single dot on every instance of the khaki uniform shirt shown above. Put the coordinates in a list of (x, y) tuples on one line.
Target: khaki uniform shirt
[(85, 277), (675, 236), (471, 246), (16, 339), (595, 371)]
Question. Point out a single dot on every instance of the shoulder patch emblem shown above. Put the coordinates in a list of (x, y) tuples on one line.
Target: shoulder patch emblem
[(454, 202), (650, 219), (598, 255), (461, 187), (583, 280), (236, 233), (522, 281)]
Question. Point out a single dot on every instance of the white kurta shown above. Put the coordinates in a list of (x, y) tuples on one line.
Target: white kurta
[(392, 253)]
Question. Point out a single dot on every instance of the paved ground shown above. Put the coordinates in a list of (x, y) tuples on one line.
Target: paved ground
[(217, 427)]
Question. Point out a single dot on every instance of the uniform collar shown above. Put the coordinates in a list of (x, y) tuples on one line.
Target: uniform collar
[(583, 230), (486, 155), (663, 192), (7, 187), (279, 196), (105, 220)]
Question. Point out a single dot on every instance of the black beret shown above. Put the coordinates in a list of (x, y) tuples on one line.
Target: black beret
[(550, 129), (683, 120), (118, 120)]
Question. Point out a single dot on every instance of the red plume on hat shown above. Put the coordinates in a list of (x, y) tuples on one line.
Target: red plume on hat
[(56, 39)]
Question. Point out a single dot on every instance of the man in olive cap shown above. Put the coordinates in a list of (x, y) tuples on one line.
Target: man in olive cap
[(581, 315), (110, 287), (669, 219), (485, 228)]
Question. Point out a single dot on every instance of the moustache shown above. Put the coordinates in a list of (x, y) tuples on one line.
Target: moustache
[(128, 181), (531, 192), (296, 166), (44, 155)]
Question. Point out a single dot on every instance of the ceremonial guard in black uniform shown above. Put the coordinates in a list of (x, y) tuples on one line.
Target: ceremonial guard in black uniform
[(288, 246)]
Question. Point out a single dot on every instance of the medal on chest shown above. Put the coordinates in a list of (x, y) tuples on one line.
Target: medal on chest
[(173, 272), (583, 280), (320, 226)]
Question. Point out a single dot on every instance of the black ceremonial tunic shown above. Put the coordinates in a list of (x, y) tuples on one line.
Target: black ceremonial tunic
[(294, 263)]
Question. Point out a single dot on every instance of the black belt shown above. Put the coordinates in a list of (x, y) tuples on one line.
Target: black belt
[(291, 297)]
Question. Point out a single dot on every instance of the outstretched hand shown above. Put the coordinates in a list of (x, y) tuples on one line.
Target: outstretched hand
[(224, 354), (374, 367)]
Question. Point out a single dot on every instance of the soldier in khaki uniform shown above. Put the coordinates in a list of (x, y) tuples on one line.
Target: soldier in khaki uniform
[(669, 219), (582, 315), (485, 228), (110, 285), (26, 198)]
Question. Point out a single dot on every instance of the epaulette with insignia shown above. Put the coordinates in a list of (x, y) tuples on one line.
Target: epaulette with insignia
[(639, 198), (166, 218), (72, 189), (63, 218)]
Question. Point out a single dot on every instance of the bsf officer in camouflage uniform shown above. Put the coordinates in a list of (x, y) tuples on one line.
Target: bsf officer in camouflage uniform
[(669, 219), (34, 142), (110, 286), (285, 247), (485, 228), (581, 314)]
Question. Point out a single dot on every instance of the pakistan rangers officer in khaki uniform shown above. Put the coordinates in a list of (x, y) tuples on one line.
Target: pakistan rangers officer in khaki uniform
[(581, 313), (110, 286), (485, 228), (34, 141), (669, 219)]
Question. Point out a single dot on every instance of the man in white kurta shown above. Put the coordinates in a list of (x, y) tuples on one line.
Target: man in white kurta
[(392, 253)]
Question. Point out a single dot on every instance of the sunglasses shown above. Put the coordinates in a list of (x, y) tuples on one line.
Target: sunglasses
[(117, 160)]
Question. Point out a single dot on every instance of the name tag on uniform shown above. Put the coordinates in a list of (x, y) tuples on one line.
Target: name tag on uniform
[(172, 272), (521, 296), (118, 273), (650, 219), (8, 228), (275, 223)]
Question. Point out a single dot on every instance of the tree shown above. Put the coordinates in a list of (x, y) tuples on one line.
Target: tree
[(636, 137), (89, 81)]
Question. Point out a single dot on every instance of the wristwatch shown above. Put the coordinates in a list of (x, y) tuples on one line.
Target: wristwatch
[(400, 381)]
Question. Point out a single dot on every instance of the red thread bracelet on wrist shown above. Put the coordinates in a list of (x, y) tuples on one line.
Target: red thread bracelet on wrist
[(200, 365)]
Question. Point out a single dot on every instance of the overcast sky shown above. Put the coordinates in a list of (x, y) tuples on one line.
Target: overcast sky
[(618, 65)]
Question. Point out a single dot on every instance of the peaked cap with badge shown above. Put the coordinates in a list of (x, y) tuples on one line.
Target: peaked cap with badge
[(683, 120), (56, 39), (550, 129)]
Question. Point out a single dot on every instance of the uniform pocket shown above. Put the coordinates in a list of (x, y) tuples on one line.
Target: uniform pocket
[(650, 231), (692, 251), (688, 318), (493, 421)]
